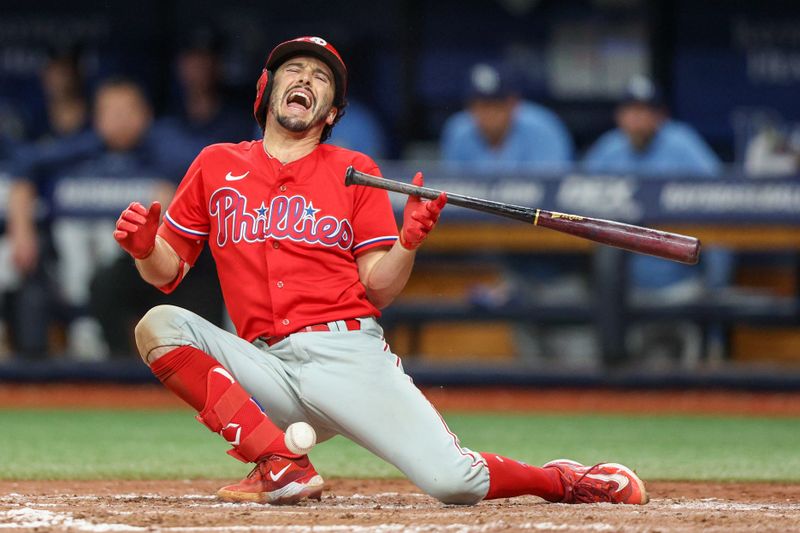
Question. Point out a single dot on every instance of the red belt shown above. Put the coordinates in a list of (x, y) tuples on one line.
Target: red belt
[(351, 324)]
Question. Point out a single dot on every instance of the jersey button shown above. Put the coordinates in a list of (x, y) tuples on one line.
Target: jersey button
[(283, 188), (279, 284), (276, 244), (285, 321)]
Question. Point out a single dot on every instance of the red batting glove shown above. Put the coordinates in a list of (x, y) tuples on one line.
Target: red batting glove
[(419, 216), (136, 229)]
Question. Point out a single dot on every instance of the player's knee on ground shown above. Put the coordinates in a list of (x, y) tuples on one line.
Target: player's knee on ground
[(453, 488), (161, 326)]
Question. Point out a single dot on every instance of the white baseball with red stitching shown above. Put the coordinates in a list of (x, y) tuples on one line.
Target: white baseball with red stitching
[(300, 438)]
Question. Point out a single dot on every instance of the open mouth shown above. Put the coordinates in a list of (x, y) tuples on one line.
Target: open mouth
[(299, 99)]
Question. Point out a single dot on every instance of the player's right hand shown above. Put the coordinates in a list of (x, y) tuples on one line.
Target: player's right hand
[(136, 229)]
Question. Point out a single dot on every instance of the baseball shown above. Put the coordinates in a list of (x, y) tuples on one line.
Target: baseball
[(300, 438)]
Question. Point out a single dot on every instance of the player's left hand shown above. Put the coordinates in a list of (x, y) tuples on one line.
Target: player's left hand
[(419, 216)]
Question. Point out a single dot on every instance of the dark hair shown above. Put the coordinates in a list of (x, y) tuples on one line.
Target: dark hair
[(71, 54), (71, 58), (326, 131)]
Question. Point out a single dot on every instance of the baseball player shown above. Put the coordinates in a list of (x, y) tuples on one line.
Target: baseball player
[(305, 264)]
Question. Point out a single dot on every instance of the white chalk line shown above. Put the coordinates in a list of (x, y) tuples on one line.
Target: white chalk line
[(336, 502), (33, 518), (24, 515), (715, 504)]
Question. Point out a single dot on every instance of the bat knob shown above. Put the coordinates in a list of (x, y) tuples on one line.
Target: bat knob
[(348, 175), (694, 254)]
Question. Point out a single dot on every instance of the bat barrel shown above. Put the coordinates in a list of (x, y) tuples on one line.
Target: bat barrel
[(672, 246)]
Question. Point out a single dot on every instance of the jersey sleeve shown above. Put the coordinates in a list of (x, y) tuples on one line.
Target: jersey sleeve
[(186, 223), (374, 224), (188, 249)]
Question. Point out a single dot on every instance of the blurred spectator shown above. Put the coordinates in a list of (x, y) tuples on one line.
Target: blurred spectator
[(498, 130), (26, 285), (8, 276), (12, 126), (83, 234), (203, 116), (28, 282), (64, 176), (647, 143), (64, 91), (118, 297)]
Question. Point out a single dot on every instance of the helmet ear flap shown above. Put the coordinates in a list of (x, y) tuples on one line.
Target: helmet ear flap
[(263, 90)]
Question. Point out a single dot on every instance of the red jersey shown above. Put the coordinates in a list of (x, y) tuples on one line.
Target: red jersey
[(284, 237)]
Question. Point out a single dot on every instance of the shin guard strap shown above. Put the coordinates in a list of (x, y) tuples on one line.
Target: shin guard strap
[(218, 415), (255, 445)]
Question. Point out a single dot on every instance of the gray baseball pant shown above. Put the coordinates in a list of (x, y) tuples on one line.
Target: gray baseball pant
[(342, 383)]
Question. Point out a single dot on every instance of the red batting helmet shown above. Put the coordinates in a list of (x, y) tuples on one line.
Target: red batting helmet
[(313, 46)]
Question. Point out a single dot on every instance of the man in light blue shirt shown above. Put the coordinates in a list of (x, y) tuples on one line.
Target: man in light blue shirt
[(498, 131), (648, 144)]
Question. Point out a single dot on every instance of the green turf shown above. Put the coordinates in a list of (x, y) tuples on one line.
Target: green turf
[(53, 444)]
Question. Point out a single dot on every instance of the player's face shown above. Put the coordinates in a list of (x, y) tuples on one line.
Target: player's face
[(493, 117), (640, 122), (302, 96)]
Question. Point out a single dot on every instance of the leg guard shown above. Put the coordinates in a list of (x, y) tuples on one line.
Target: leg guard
[(231, 412), (224, 406)]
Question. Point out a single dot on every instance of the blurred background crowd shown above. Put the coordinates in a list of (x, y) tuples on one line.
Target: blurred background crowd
[(102, 104)]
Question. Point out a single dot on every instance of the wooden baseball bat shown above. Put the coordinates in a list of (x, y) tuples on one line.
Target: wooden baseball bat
[(672, 246)]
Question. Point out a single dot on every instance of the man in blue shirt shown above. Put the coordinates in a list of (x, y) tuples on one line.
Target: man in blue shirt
[(109, 285), (649, 144), (72, 179), (79, 181), (32, 303), (500, 131)]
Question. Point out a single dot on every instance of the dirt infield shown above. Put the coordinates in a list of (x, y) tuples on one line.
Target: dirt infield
[(445, 399), (396, 505), (385, 505)]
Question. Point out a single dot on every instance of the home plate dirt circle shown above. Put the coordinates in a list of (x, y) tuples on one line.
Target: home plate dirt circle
[(384, 506)]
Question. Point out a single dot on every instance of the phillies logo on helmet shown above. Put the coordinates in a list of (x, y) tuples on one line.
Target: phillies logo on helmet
[(318, 40), (292, 218)]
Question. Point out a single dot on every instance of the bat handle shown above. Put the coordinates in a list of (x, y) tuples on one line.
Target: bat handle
[(354, 177), (348, 176)]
